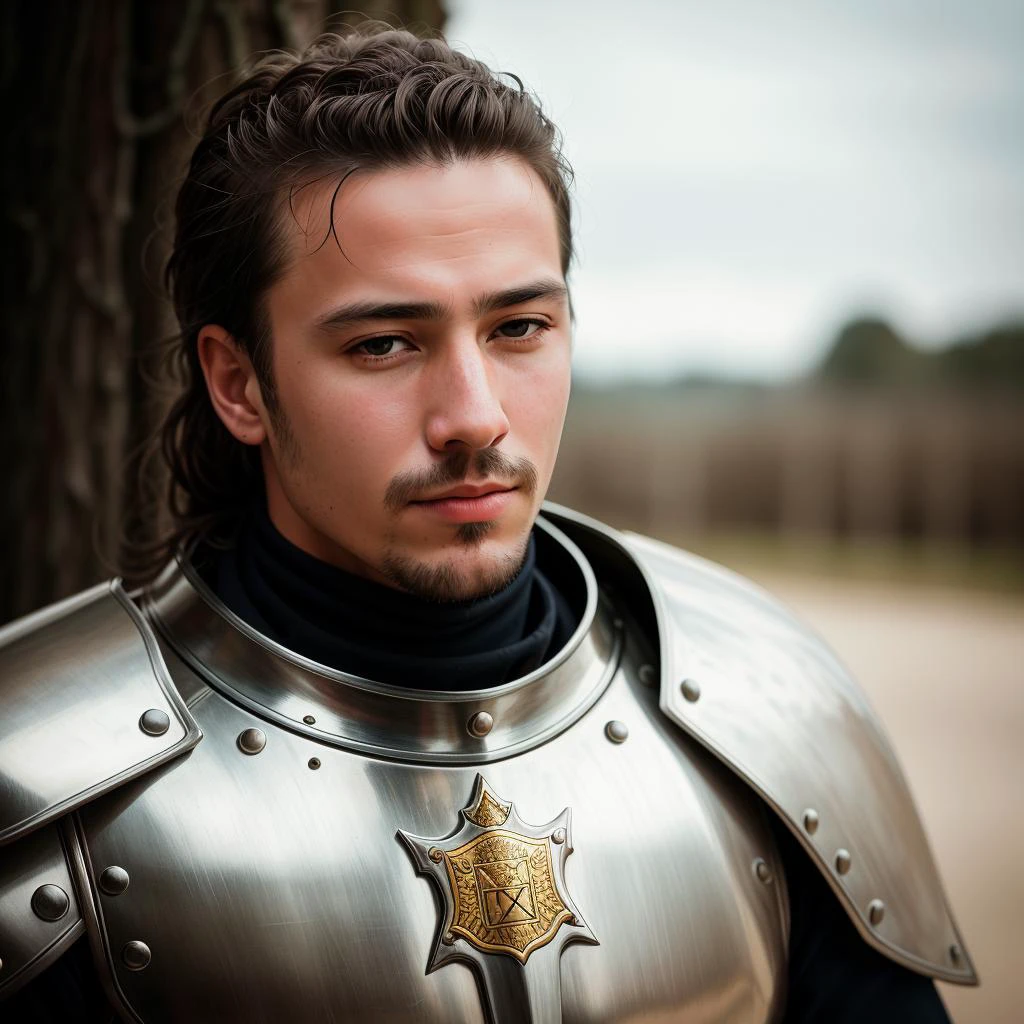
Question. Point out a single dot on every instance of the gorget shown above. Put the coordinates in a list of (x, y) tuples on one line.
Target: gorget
[(334, 849)]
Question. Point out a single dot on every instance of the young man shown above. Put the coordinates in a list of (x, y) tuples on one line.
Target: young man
[(331, 764)]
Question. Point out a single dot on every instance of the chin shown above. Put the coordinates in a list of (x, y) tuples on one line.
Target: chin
[(473, 565)]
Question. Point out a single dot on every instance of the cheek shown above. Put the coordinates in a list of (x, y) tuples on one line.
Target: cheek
[(541, 400)]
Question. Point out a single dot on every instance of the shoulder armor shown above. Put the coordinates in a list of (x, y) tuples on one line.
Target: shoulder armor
[(39, 912), (765, 694), (86, 704)]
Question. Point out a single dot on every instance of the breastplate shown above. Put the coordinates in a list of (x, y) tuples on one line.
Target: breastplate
[(570, 856)]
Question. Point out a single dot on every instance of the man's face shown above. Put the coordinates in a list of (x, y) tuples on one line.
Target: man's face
[(422, 362)]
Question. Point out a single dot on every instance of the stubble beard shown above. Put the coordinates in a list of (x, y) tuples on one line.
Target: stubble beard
[(444, 582)]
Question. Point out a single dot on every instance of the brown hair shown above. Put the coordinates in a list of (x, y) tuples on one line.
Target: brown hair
[(372, 97)]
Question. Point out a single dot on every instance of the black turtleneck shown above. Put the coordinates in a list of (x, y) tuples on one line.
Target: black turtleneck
[(368, 629)]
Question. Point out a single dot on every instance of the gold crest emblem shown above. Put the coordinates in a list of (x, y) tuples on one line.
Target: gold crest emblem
[(502, 885)]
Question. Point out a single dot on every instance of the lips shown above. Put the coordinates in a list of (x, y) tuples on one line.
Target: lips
[(466, 491), (468, 504)]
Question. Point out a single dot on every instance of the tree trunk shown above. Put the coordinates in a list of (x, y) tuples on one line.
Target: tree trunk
[(96, 97)]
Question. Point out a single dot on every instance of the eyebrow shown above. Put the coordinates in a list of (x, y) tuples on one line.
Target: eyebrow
[(360, 312)]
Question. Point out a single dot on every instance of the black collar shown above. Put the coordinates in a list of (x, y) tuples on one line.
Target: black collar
[(367, 629)]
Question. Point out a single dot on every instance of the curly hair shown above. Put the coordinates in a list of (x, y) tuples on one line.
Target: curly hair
[(372, 97)]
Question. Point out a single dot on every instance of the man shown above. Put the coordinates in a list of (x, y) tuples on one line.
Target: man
[(331, 764)]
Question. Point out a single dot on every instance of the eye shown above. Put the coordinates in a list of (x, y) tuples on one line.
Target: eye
[(387, 345), (519, 330)]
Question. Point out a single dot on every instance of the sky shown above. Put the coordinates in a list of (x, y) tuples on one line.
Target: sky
[(750, 175)]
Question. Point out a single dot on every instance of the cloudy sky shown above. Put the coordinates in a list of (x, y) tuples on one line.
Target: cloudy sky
[(750, 174)]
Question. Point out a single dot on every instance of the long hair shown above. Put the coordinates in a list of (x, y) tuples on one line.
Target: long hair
[(372, 97)]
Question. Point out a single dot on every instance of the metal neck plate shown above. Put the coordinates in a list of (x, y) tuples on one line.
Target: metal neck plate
[(432, 726)]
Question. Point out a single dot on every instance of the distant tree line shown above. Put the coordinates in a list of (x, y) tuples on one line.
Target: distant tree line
[(869, 351)]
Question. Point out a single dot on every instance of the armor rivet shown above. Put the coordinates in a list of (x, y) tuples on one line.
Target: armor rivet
[(135, 955), (954, 953), (762, 871), (50, 902), (309, 719), (1, 964), (114, 880), (480, 724), (314, 763), (843, 861), (617, 732), (251, 741), (558, 836), (811, 821), (435, 855), (154, 722), (648, 675), (876, 911), (690, 689), (448, 938)]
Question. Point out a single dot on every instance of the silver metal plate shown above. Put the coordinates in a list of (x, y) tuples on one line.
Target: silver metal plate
[(295, 899), (76, 678)]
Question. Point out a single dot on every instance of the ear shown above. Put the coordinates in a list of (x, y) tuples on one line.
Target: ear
[(232, 384)]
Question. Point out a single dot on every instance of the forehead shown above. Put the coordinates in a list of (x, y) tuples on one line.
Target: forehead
[(425, 229)]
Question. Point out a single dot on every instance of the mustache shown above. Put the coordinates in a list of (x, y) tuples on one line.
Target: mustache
[(486, 462)]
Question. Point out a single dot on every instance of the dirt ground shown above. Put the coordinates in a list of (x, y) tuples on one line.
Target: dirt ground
[(945, 669)]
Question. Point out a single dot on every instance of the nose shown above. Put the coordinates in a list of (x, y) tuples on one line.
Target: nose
[(465, 406)]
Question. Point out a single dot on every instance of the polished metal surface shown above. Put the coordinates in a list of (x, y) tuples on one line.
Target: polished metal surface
[(114, 880), (29, 940), (402, 723), (252, 741), (50, 902), (294, 899), (74, 680), (154, 722), (778, 707), (616, 731)]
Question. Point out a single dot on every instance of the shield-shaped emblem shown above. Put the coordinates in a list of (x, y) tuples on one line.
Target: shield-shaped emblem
[(503, 888)]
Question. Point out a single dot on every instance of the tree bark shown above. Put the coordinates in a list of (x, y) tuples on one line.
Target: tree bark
[(97, 95)]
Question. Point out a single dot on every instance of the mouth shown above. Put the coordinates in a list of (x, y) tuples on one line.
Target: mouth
[(468, 503)]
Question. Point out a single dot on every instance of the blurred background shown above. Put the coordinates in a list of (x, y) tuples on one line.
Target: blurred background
[(799, 343)]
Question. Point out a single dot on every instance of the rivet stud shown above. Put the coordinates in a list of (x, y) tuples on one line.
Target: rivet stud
[(762, 871), (876, 911), (811, 821), (843, 861), (314, 763), (480, 724), (135, 955), (251, 741), (616, 731), (309, 719), (558, 836), (690, 690), (648, 675), (114, 880), (154, 722), (50, 902)]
